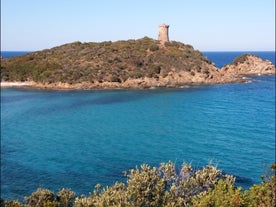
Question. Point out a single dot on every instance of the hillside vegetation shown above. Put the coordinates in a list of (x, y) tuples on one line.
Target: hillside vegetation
[(104, 62)]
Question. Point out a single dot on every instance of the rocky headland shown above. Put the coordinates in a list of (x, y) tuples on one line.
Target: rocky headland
[(142, 63)]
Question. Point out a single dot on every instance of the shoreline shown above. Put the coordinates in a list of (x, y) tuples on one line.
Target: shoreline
[(120, 86)]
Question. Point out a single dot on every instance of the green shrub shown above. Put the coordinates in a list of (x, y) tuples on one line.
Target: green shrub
[(263, 194), (46, 74), (145, 187), (115, 78), (154, 69), (108, 196), (223, 194), (10, 204), (136, 74), (240, 59), (154, 47), (40, 198), (66, 197)]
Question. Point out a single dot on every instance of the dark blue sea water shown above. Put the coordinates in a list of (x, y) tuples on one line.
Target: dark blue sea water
[(76, 139), (222, 58), (8, 54)]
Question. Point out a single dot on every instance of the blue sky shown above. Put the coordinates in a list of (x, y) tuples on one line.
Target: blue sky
[(208, 25)]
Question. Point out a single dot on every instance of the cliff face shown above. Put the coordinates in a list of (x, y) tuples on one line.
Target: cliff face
[(142, 63)]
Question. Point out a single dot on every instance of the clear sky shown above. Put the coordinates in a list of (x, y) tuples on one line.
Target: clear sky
[(208, 25)]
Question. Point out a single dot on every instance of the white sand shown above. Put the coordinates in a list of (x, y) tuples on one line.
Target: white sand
[(16, 84)]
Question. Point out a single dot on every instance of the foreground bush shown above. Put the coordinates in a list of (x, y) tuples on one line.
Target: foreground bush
[(163, 186), (263, 194)]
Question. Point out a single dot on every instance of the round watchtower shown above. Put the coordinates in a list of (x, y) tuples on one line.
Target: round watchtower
[(163, 35)]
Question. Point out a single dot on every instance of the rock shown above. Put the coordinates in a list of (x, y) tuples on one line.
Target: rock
[(248, 65)]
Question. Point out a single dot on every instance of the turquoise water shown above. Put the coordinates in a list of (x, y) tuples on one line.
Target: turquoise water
[(76, 139)]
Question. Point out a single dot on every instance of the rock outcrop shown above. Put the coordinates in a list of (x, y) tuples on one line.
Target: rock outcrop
[(245, 65), (249, 65)]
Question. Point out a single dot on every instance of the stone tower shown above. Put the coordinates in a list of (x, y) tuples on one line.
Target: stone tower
[(163, 35)]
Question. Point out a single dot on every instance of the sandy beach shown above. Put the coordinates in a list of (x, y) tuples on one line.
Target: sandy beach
[(16, 84)]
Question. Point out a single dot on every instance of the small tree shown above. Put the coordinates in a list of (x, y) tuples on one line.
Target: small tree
[(40, 198), (154, 47), (66, 197)]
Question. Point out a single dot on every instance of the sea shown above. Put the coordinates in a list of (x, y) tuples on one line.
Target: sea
[(75, 139)]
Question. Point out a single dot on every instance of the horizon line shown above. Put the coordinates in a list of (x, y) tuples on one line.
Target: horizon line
[(196, 49)]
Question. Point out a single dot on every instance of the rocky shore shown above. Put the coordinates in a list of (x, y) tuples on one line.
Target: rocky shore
[(250, 65)]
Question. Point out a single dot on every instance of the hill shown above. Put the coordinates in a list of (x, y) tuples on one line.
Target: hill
[(141, 63)]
